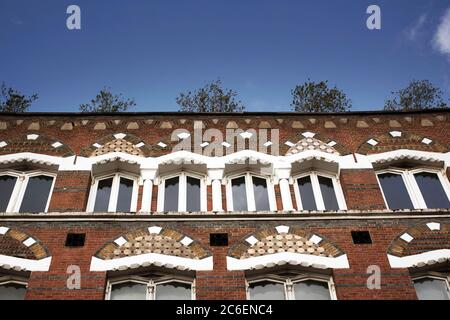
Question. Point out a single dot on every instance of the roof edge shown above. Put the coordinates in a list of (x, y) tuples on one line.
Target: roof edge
[(232, 114)]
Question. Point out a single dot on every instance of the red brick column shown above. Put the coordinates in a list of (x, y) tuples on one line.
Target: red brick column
[(71, 191), (219, 283), (361, 189)]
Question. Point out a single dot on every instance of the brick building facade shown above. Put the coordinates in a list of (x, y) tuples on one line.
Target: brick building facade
[(225, 206)]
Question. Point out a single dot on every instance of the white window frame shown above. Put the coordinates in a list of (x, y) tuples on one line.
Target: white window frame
[(15, 201), (182, 190), (151, 285), (318, 198), (112, 205), (289, 283), (251, 205), (412, 187), (444, 278)]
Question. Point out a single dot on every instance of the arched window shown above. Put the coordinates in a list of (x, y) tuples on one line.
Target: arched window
[(291, 286), (432, 286), (12, 288), (417, 188), (318, 191), (151, 287), (115, 192), (182, 192), (250, 192), (28, 191)]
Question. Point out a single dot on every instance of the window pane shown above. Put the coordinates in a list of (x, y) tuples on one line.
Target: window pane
[(193, 194), (266, 291), (7, 184), (239, 194), (431, 289), (261, 195), (395, 192), (129, 291), (306, 193), (12, 291), (125, 193), (432, 191), (171, 194), (103, 194), (173, 291), (328, 193), (311, 290), (36, 194)]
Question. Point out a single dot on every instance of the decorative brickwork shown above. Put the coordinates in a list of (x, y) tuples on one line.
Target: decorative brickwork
[(390, 141), (164, 241), (16, 243), (311, 144), (36, 143), (425, 237), (270, 241), (119, 142)]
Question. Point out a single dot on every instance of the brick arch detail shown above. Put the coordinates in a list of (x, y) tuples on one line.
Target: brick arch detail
[(297, 138), (37, 143), (424, 237), (111, 143), (283, 239), (153, 239), (13, 241), (386, 142)]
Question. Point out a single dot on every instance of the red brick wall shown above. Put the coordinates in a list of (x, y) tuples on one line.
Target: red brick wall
[(71, 191), (361, 190), (221, 283)]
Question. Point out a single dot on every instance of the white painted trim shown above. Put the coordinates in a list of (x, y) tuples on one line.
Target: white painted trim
[(113, 198), (282, 258), (8, 262), (250, 193), (156, 259), (147, 193), (182, 190), (317, 191), (151, 284), (420, 259), (20, 187), (260, 216), (411, 185), (289, 283), (345, 162)]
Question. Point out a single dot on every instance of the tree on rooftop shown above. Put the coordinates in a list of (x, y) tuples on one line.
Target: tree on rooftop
[(12, 100), (211, 98), (418, 95), (106, 101), (318, 97)]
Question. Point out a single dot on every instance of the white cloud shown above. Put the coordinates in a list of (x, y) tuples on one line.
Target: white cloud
[(441, 40), (415, 30)]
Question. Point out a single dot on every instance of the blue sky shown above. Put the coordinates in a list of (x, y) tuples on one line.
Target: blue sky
[(152, 50)]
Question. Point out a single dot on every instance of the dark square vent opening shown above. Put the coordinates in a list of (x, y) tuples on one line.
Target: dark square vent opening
[(361, 237), (218, 239), (75, 239)]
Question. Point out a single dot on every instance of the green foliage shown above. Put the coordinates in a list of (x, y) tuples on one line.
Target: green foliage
[(211, 98), (105, 101), (418, 95), (318, 97), (12, 100)]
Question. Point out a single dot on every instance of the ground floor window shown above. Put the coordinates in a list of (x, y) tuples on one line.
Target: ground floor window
[(12, 288), (290, 287), (432, 287), (151, 288)]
